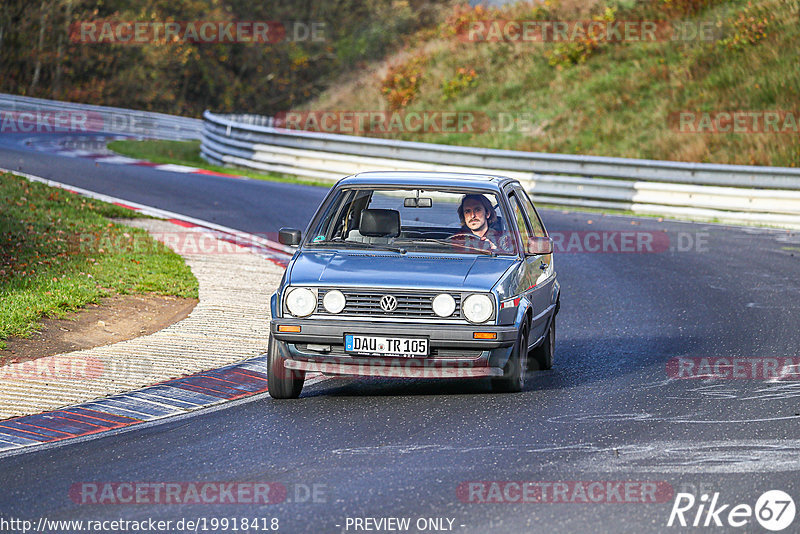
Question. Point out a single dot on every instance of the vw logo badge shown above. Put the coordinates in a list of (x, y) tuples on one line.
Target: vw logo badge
[(388, 303)]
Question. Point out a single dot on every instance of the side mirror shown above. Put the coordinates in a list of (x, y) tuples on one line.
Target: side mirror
[(289, 236), (540, 245)]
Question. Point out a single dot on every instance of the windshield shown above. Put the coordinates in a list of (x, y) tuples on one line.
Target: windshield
[(460, 222)]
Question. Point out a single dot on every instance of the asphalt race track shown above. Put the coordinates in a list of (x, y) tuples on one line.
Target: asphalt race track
[(611, 410), (246, 206)]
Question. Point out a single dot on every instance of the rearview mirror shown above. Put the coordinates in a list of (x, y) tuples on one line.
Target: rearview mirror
[(289, 236), (417, 202), (540, 245)]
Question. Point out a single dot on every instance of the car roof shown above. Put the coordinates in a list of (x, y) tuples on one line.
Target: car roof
[(427, 179)]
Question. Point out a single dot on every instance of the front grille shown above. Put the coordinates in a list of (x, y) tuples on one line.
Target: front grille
[(367, 303), (455, 353)]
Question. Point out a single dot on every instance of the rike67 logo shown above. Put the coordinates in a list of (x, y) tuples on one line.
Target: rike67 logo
[(774, 510)]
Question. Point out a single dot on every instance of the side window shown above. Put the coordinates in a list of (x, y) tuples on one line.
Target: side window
[(520, 221), (533, 217)]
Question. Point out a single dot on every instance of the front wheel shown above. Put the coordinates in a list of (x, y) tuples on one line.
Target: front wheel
[(514, 371), (282, 383), (541, 358)]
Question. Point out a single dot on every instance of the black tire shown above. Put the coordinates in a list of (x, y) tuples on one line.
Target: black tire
[(282, 383), (541, 358), (513, 378)]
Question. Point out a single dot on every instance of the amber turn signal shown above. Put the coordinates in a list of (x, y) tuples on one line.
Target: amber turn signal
[(484, 335)]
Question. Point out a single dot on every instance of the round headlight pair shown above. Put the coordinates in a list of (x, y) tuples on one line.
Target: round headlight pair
[(334, 301), (444, 305), (301, 301), (477, 308)]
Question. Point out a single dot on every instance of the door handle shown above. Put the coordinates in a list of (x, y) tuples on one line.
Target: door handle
[(544, 266)]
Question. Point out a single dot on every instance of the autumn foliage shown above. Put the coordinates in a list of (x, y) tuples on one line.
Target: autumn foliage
[(39, 58)]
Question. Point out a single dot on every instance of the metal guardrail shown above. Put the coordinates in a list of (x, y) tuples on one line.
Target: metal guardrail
[(728, 193), (77, 118)]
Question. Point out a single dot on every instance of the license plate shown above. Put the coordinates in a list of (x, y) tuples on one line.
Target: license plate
[(385, 346)]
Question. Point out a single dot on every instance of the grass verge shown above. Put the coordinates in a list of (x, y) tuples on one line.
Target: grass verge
[(188, 153), (60, 251)]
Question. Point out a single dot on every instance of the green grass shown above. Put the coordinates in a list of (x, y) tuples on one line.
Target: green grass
[(60, 251), (188, 153), (179, 152)]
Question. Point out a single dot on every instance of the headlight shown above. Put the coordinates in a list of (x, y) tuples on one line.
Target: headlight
[(334, 301), (477, 308), (301, 301), (444, 305)]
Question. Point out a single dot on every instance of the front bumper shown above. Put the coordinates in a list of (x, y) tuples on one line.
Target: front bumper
[(440, 335), (394, 369), (454, 353)]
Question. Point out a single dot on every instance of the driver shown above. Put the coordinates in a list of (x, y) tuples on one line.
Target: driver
[(477, 216)]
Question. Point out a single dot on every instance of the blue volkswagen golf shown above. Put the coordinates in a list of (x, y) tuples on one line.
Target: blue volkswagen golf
[(420, 275)]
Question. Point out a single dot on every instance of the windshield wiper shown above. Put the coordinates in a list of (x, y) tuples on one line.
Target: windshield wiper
[(358, 244), (452, 244)]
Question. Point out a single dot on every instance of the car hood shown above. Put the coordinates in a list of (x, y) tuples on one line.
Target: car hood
[(389, 269)]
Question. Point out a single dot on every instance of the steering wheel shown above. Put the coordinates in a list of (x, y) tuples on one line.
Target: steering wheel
[(480, 240), (460, 236)]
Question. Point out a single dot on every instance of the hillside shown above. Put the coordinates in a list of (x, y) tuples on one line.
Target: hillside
[(590, 95)]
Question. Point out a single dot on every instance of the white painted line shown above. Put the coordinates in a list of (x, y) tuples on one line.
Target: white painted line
[(139, 395), (122, 160), (166, 401), (171, 167), (126, 403), (17, 441)]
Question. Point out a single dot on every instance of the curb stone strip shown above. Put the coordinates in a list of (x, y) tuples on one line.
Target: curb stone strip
[(158, 402), (165, 399), (226, 326), (128, 409)]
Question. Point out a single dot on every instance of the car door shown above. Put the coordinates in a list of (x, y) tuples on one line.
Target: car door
[(539, 278)]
